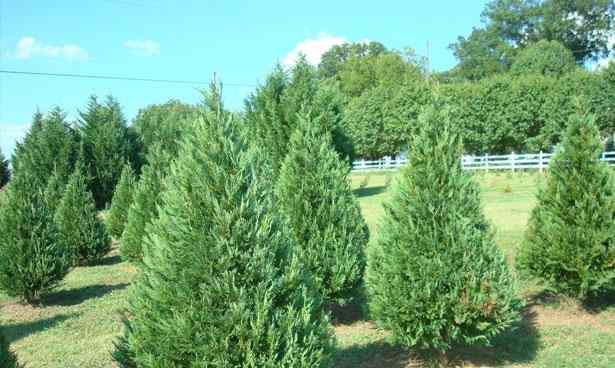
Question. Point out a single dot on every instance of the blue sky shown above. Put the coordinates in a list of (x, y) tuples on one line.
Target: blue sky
[(190, 40)]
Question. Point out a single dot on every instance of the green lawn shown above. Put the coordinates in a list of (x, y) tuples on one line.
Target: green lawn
[(79, 321)]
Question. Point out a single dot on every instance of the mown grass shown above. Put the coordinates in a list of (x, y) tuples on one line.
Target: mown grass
[(77, 323)]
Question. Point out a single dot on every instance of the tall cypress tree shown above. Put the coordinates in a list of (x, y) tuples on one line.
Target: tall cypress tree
[(79, 228), (32, 259), (435, 276), (144, 208), (106, 145), (5, 173), (218, 286), (570, 239), (314, 196), (122, 200)]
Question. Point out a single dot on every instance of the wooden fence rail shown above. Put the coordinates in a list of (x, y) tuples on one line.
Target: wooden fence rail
[(511, 162)]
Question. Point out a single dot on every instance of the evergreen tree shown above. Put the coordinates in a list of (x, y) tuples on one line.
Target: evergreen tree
[(106, 145), (122, 200), (314, 196), (49, 146), (7, 358), (435, 276), (32, 260), (79, 228), (218, 286), (144, 208), (570, 239), (5, 172)]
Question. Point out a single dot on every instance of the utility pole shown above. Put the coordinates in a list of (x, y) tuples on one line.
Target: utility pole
[(428, 61)]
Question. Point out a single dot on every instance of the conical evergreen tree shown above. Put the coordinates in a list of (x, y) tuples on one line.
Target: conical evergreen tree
[(435, 276), (79, 228), (106, 145), (7, 358), (32, 260), (122, 200), (144, 208), (5, 172), (314, 196), (218, 286), (570, 239)]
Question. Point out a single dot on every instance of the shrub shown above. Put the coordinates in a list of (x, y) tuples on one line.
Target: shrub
[(435, 276), (32, 260), (570, 239), (122, 200), (314, 197), (218, 286), (79, 228), (7, 358), (549, 58)]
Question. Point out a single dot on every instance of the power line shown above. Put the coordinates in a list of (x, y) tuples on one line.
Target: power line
[(110, 77)]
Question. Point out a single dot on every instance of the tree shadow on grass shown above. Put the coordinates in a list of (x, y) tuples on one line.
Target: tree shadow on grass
[(369, 191), (518, 345), (77, 296), (600, 303), (17, 331), (108, 261)]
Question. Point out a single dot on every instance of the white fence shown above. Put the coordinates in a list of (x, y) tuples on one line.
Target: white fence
[(512, 162)]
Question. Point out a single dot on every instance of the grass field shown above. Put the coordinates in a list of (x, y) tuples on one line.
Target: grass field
[(79, 321)]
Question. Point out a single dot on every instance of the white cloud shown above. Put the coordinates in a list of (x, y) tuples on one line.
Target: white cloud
[(602, 63), (29, 47), (10, 134), (313, 49), (143, 47)]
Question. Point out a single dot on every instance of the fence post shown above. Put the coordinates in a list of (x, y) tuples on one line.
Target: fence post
[(486, 162), (540, 161), (512, 157), (603, 156)]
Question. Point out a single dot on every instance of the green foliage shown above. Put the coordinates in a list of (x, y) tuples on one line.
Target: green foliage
[(333, 59), (381, 121), (314, 197), (435, 276), (548, 58), (49, 146), (162, 124), (7, 358), (32, 259), (80, 230), (106, 146), (144, 208), (218, 286), (570, 240), (5, 172), (122, 200)]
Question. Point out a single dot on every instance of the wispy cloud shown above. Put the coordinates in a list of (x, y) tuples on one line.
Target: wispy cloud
[(143, 47), (313, 48), (29, 47)]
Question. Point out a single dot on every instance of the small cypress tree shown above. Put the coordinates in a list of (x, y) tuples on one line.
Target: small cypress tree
[(7, 358), (144, 208), (314, 196), (218, 286), (122, 200), (79, 228), (435, 276), (570, 239), (32, 259), (5, 172)]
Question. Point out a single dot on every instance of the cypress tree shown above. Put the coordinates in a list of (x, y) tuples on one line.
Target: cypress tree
[(122, 200), (106, 144), (32, 259), (7, 358), (5, 173), (314, 196), (144, 208), (218, 286), (79, 228), (435, 276), (570, 239)]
